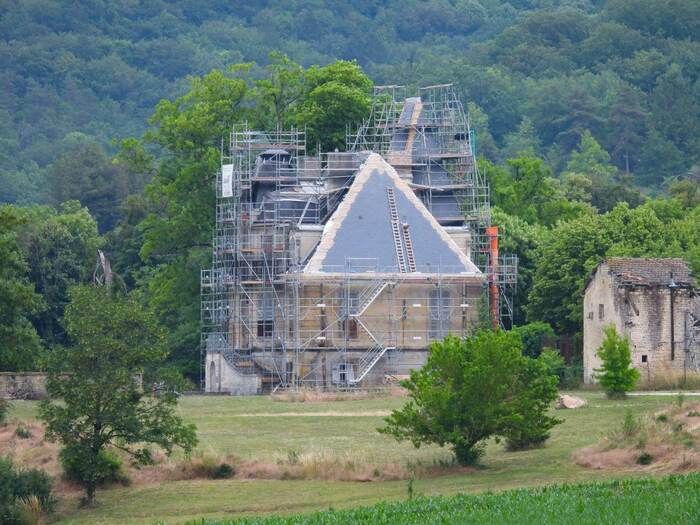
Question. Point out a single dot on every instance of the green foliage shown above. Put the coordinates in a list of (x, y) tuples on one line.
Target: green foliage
[(616, 375), (543, 74), (472, 389), (23, 432), (572, 249), (82, 467), (223, 471), (19, 343), (60, 247), (534, 337), (109, 389), (5, 407), (672, 499), (17, 485), (527, 190), (554, 363), (84, 173), (630, 425), (335, 96), (536, 388)]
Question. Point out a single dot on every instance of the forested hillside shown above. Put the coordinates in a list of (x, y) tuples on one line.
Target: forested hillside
[(587, 117), (537, 72)]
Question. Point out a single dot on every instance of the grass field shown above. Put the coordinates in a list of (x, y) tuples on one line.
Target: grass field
[(669, 500), (259, 428)]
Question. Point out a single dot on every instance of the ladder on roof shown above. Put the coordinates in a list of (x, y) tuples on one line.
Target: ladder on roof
[(396, 230), (408, 244)]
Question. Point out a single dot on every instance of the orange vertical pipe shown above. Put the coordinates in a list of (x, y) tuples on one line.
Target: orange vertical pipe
[(494, 310)]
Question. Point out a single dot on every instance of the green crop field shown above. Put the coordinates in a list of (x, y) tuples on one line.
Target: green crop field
[(262, 429), (674, 499)]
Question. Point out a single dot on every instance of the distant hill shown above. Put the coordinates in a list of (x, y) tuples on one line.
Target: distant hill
[(541, 72)]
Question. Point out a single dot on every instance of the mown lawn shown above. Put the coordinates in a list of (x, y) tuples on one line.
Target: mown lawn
[(674, 499), (264, 429)]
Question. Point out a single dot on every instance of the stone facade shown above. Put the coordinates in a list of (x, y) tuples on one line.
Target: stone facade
[(635, 296), (22, 385), (405, 316)]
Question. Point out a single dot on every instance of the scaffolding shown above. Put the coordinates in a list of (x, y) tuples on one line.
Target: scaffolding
[(429, 140), (268, 320)]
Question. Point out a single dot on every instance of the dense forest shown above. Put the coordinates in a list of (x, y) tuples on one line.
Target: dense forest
[(587, 116), (534, 70)]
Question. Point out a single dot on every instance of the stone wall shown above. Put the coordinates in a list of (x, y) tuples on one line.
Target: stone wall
[(641, 313), (22, 385)]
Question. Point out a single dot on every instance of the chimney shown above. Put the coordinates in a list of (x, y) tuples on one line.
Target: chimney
[(494, 299)]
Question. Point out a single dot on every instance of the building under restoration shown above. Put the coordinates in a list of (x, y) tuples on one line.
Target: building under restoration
[(338, 270)]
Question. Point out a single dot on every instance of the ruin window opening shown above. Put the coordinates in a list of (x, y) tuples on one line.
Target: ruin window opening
[(601, 311)]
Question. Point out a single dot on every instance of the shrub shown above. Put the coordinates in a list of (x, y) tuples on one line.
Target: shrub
[(534, 337), (528, 426), (17, 486), (616, 376), (5, 406), (81, 468), (223, 471), (630, 425), (22, 432), (553, 362), (474, 388), (644, 458)]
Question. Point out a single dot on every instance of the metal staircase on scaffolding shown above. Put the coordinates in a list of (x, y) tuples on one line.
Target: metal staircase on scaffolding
[(368, 296), (372, 356)]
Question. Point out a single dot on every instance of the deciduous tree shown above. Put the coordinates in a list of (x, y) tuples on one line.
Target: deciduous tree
[(108, 389)]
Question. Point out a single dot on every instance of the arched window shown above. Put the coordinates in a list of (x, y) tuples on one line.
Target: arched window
[(212, 376)]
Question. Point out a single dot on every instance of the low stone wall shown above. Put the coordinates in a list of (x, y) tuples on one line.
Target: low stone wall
[(22, 385)]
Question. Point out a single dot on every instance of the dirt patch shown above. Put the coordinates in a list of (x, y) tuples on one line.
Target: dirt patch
[(667, 441)]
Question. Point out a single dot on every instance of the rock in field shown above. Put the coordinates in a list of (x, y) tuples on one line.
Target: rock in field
[(565, 401)]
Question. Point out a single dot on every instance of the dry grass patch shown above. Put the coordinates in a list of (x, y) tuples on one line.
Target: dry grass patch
[(322, 465), (24, 442), (669, 379), (666, 441), (311, 395)]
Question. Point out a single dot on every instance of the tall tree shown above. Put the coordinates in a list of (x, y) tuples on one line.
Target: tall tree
[(83, 172), (177, 230), (19, 342), (60, 248), (108, 389), (336, 96), (570, 251)]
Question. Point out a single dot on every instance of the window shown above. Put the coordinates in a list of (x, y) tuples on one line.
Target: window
[(439, 310), (601, 311), (590, 315), (342, 373), (212, 375), (644, 359), (266, 315), (349, 303)]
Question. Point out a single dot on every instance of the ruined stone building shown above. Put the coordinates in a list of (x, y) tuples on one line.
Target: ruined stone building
[(337, 270), (654, 302)]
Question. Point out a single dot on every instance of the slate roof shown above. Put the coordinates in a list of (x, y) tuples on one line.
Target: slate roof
[(629, 271), (361, 229)]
